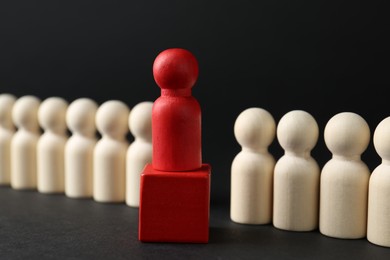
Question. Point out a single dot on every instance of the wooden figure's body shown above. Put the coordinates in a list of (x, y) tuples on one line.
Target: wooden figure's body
[(296, 174), (109, 184), (184, 150), (79, 148), (344, 178), (296, 199), (252, 168), (79, 166), (109, 170), (378, 225), (24, 143), (175, 187), (140, 150), (7, 130), (51, 145)]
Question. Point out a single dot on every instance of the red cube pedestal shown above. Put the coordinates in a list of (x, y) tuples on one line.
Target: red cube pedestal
[(174, 206)]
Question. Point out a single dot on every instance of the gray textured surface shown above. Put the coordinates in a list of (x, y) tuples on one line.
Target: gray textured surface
[(39, 226)]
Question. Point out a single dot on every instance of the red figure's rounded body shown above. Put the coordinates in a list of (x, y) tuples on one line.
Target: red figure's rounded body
[(176, 116)]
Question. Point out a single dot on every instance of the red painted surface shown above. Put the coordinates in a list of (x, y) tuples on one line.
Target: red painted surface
[(175, 187), (175, 206), (176, 117), (175, 68)]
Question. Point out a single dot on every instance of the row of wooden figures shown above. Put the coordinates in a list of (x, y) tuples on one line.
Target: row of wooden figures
[(106, 169), (343, 199)]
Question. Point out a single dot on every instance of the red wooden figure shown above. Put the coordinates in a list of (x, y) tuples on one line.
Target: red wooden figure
[(175, 187), (176, 114)]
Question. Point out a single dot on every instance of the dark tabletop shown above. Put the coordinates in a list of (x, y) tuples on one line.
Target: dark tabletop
[(35, 225)]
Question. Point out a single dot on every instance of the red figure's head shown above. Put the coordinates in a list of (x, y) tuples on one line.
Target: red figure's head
[(175, 69)]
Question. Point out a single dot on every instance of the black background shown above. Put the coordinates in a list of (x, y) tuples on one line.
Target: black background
[(317, 56)]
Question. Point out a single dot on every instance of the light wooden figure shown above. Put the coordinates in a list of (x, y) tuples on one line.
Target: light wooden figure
[(344, 178), (140, 150), (296, 174), (51, 145), (378, 226), (24, 143), (110, 152), (7, 130), (80, 119), (252, 168)]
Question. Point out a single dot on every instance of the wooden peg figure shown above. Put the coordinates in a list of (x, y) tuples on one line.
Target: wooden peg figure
[(252, 168), (176, 113), (51, 145), (175, 187), (378, 226), (296, 174), (110, 152), (139, 152), (7, 130), (80, 118), (24, 143), (344, 178)]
